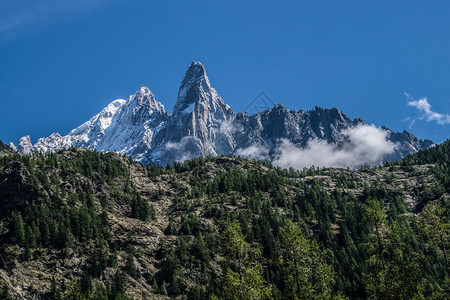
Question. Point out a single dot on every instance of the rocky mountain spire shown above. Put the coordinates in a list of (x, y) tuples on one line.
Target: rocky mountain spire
[(25, 146), (202, 124), (198, 124), (145, 97), (140, 107), (196, 90), (194, 84)]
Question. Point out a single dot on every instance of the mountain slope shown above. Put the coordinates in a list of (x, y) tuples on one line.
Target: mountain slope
[(105, 225), (4, 149), (202, 124)]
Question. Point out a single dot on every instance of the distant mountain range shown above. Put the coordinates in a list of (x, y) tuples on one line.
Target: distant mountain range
[(202, 124)]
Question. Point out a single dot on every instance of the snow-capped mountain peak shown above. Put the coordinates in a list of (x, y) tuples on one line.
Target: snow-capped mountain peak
[(25, 146), (145, 97), (102, 120), (196, 88), (202, 124)]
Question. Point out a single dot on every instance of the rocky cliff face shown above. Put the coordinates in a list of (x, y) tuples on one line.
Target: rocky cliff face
[(202, 124), (199, 123), (264, 131)]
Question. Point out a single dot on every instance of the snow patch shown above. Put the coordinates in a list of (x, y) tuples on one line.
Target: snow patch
[(189, 109)]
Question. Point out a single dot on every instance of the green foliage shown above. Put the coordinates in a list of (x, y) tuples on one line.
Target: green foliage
[(434, 227), (393, 272), (140, 209), (242, 279), (308, 276), (298, 234), (17, 228), (130, 266)]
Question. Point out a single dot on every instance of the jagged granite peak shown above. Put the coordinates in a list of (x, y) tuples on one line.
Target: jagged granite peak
[(134, 125), (25, 147), (263, 132), (406, 144), (99, 122), (196, 90), (202, 124), (195, 82), (145, 99), (12, 147), (199, 124)]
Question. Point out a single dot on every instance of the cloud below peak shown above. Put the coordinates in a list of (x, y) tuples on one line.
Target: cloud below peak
[(365, 145)]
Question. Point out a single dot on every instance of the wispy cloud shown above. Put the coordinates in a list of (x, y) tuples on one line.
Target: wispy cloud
[(16, 15), (254, 151), (425, 109), (367, 145), (180, 150)]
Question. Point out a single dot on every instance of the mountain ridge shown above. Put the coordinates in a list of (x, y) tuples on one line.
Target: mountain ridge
[(202, 124)]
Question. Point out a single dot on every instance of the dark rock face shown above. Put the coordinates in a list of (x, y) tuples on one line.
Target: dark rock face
[(202, 124), (406, 144), (266, 129)]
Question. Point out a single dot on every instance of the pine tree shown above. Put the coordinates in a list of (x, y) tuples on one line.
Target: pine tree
[(130, 266), (435, 228), (18, 231), (392, 271), (242, 275), (155, 287), (27, 255), (164, 288), (308, 274)]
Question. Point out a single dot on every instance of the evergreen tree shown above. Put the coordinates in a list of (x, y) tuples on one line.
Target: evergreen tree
[(391, 274), (434, 227), (242, 275), (17, 229), (308, 275)]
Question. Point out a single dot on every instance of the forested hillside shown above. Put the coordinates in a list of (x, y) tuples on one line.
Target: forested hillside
[(4, 148), (81, 224)]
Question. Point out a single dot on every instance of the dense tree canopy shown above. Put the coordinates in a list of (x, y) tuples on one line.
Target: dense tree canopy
[(229, 228)]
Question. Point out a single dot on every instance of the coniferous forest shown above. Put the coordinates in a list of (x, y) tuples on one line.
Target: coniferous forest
[(80, 224)]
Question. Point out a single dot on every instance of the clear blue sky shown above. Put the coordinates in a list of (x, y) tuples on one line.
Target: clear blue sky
[(61, 61)]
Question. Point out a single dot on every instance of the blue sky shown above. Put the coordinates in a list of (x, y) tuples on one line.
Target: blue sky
[(62, 61)]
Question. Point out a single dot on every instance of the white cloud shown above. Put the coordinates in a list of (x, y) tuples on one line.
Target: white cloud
[(18, 14), (411, 122), (366, 144), (425, 108), (179, 149), (252, 152)]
